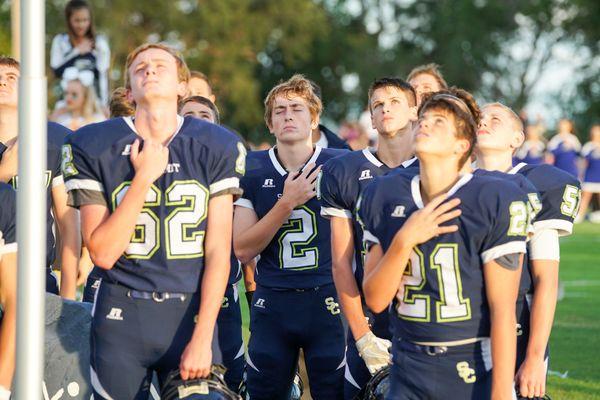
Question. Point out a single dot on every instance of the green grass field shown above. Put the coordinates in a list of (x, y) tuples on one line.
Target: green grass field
[(575, 340)]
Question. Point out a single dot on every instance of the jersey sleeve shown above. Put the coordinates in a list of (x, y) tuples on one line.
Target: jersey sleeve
[(560, 205), (81, 173), (248, 197), (332, 193), (226, 167), (8, 216), (56, 137), (508, 212)]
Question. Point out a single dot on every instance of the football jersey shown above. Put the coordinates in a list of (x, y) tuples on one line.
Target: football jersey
[(53, 176), (591, 152), (442, 296), (166, 252), (530, 152), (560, 194), (565, 151), (341, 181), (8, 218), (299, 255), (535, 206)]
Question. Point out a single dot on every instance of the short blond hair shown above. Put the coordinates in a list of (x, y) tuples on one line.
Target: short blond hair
[(299, 86), (183, 72), (515, 119)]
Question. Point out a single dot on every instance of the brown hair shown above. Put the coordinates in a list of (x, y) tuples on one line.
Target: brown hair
[(400, 84), (119, 105), (461, 107), (10, 62), (183, 72), (299, 86), (428, 69), (202, 76), (201, 100), (70, 8)]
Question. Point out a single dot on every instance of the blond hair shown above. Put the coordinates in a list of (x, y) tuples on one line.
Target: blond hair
[(299, 86), (515, 119), (431, 69)]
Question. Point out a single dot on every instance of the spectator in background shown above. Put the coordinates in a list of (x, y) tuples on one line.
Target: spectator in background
[(532, 149), (81, 48), (200, 86), (321, 135), (591, 178), (81, 106), (355, 135), (425, 79), (120, 105), (564, 148)]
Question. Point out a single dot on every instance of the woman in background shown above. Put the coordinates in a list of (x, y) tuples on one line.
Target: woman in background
[(80, 106), (564, 148), (591, 178), (81, 48), (532, 149)]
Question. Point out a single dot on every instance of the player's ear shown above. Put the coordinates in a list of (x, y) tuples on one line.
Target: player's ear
[(461, 146), (129, 95), (518, 139), (412, 113), (314, 123), (182, 89)]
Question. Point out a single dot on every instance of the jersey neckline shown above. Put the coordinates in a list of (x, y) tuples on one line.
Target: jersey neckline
[(279, 167), (180, 121), (416, 189)]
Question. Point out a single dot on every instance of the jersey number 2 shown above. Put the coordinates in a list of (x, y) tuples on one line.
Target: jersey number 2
[(182, 237), (298, 233)]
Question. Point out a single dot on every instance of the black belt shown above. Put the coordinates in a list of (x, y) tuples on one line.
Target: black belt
[(419, 348), (158, 297)]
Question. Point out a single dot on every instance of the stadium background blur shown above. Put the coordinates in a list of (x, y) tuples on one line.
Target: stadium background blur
[(540, 56)]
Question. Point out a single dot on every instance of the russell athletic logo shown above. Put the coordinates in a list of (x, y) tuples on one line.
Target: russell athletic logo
[(268, 183), (365, 174), (399, 212), (115, 314)]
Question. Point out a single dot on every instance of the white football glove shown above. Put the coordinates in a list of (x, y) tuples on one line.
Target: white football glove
[(374, 351), (4, 393)]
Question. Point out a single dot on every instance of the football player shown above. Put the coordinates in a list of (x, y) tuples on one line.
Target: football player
[(67, 220), (392, 103), (425, 79), (454, 286), (155, 193), (229, 321), (499, 134), (8, 288), (295, 304)]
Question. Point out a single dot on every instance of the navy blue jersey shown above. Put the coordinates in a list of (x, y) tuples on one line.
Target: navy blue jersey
[(560, 195), (442, 296), (8, 218), (55, 137), (166, 253), (340, 184), (535, 206), (299, 256)]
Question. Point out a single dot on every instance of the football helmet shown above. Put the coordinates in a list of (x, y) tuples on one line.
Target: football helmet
[(377, 387), (211, 388)]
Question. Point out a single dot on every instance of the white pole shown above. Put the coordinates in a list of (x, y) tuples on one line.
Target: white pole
[(31, 204)]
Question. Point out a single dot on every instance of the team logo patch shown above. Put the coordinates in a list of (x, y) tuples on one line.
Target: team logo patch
[(332, 306), (399, 212), (268, 183), (365, 174), (115, 314), (260, 303), (465, 372)]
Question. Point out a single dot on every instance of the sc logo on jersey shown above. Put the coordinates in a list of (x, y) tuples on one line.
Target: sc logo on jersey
[(332, 306), (466, 373)]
